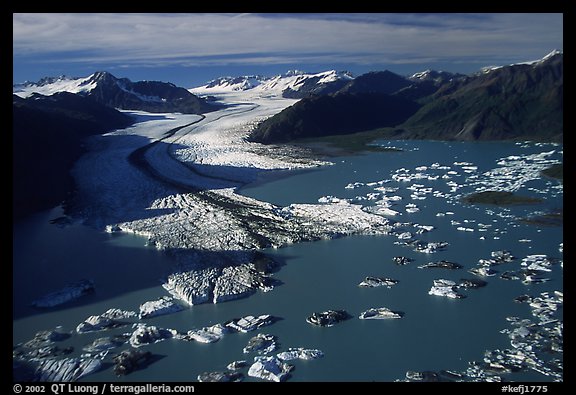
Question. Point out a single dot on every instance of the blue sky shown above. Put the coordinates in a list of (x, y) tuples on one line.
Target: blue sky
[(190, 49)]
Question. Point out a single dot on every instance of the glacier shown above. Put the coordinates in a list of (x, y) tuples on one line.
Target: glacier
[(174, 179)]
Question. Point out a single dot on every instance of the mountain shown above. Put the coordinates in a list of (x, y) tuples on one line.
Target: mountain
[(425, 83), (376, 82), (293, 84), (363, 103), (341, 113), (519, 101), (106, 89), (47, 138)]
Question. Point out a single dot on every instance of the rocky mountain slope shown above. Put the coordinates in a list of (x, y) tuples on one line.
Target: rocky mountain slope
[(47, 138), (521, 101), (106, 89)]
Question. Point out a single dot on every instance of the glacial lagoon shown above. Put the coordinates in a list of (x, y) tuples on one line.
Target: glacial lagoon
[(435, 332)]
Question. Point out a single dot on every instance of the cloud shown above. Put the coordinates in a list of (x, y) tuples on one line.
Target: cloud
[(220, 39)]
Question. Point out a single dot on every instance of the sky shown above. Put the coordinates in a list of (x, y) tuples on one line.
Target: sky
[(191, 49)]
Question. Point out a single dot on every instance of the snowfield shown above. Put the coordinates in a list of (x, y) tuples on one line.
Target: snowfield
[(173, 179)]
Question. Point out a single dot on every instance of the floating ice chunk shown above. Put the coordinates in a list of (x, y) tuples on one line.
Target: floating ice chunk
[(65, 370), (381, 210), (209, 334), (445, 288), (354, 185), (378, 282), (405, 236), (441, 265), (144, 335), (537, 262), (412, 208), (112, 318), (164, 305), (431, 247), (483, 271), (269, 368), (220, 377), (261, 343), (66, 294), (328, 318), (331, 199), (401, 260), (300, 353), (250, 323), (237, 365), (380, 313)]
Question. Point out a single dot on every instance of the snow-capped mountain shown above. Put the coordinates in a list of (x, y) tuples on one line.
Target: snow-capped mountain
[(293, 84), (103, 87), (554, 53), (437, 77), (49, 85), (520, 101)]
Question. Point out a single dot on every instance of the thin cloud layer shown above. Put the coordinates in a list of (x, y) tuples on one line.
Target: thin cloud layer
[(228, 39)]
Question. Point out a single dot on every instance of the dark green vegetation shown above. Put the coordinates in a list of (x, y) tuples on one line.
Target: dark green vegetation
[(326, 115), (47, 139), (554, 171), (519, 102), (554, 218), (499, 198), (344, 144)]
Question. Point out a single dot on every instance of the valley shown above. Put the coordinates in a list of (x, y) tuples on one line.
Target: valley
[(240, 254)]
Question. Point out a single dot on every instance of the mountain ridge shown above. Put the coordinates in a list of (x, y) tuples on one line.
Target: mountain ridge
[(122, 93), (517, 101), (47, 138)]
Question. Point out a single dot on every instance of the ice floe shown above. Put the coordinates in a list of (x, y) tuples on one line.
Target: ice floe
[(299, 353), (144, 334), (261, 343), (66, 294), (112, 318), (328, 318), (270, 368), (372, 282), (164, 305), (381, 313)]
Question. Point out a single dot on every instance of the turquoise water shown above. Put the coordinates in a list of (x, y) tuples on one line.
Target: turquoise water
[(435, 333)]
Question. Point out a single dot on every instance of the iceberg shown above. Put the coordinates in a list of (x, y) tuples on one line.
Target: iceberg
[(164, 305), (402, 260), (105, 344), (66, 294), (204, 335), (236, 365), (270, 368), (250, 323), (220, 377), (328, 318), (445, 288), (129, 360), (378, 282), (299, 353), (441, 265), (112, 318), (261, 343), (379, 314), (144, 335)]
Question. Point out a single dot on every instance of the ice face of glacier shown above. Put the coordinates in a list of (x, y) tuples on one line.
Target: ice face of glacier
[(173, 179)]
